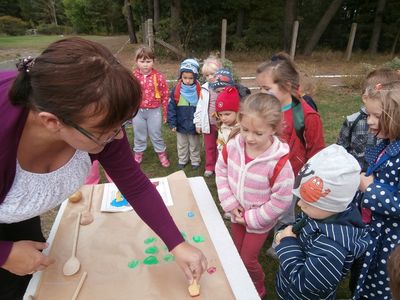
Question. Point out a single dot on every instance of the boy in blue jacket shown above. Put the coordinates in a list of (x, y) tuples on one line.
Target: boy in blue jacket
[(181, 109), (318, 250)]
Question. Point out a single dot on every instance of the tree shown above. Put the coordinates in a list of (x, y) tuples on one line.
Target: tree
[(376, 32), (175, 22), (290, 17), (321, 26), (127, 11), (156, 5)]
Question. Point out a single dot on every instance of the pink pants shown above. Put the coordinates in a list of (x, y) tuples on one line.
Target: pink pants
[(94, 175), (249, 246), (210, 147)]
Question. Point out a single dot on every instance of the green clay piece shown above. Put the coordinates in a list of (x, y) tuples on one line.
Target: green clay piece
[(198, 239), (133, 264), (150, 260), (184, 235), (169, 257), (151, 250), (149, 240)]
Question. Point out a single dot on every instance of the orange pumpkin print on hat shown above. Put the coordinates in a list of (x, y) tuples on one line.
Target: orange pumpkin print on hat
[(313, 189), (329, 180)]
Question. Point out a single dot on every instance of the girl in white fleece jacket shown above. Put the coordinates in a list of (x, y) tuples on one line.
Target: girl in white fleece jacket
[(246, 189)]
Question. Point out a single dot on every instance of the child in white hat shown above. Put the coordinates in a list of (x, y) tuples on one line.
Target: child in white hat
[(318, 250)]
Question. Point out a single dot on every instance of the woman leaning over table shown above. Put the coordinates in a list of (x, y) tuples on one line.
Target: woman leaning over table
[(59, 112)]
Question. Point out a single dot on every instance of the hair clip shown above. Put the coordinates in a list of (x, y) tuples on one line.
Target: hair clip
[(274, 58), (378, 87), (25, 63)]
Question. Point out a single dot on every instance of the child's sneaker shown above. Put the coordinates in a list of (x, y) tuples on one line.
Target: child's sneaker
[(138, 156), (181, 166), (162, 156), (195, 167)]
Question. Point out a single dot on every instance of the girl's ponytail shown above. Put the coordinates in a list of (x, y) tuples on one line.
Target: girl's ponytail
[(21, 89)]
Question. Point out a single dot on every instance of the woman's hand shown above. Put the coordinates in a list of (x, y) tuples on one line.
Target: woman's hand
[(173, 129), (26, 257), (191, 260), (365, 181)]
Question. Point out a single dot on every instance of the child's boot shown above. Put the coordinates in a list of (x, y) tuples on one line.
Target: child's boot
[(138, 157), (162, 156)]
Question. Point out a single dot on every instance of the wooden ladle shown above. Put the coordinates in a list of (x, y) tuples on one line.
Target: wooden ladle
[(72, 265), (87, 216)]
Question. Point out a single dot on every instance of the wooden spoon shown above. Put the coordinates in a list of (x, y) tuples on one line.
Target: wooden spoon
[(72, 265), (87, 217), (78, 288)]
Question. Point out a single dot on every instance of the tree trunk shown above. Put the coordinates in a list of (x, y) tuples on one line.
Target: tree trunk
[(321, 26), (175, 20), (53, 11), (239, 23), (290, 17), (130, 21), (376, 32), (396, 39), (149, 9), (156, 14)]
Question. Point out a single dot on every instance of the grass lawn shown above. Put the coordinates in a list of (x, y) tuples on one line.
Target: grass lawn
[(333, 104)]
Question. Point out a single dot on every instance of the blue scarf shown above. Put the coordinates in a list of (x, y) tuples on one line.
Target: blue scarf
[(189, 92)]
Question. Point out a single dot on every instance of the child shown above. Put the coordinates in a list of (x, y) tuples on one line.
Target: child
[(250, 186), (227, 107), (204, 117), (318, 250), (148, 120), (380, 185), (354, 136), (303, 129), (394, 273), (181, 108)]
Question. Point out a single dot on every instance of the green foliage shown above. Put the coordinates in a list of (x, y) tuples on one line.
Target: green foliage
[(12, 26), (54, 29), (94, 16), (394, 64)]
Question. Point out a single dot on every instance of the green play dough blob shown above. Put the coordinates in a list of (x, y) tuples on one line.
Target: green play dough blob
[(150, 260), (149, 240), (133, 264), (198, 239), (151, 250), (169, 257)]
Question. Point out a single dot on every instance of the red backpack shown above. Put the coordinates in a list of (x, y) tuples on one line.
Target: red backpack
[(278, 167), (177, 92)]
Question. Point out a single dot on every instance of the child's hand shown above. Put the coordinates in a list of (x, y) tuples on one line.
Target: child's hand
[(173, 129), (365, 181), (288, 231), (198, 130), (238, 215), (164, 121)]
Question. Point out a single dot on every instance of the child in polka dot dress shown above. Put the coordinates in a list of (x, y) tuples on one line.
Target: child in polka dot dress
[(380, 185)]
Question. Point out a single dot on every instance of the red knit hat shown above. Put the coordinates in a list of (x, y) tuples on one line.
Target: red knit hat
[(228, 99)]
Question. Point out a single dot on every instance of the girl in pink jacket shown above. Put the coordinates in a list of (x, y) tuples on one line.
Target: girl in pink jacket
[(255, 180)]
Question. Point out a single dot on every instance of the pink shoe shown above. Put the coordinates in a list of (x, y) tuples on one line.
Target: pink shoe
[(162, 156), (138, 157)]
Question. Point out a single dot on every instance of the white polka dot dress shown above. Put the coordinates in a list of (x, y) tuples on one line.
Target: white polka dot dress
[(382, 197)]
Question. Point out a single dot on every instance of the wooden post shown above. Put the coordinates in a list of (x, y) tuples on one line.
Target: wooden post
[(350, 43), (150, 33), (145, 39), (294, 39), (223, 38)]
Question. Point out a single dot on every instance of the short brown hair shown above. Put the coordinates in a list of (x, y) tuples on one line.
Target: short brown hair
[(144, 52), (73, 74)]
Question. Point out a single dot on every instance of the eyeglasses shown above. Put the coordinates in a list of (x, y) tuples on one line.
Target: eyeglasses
[(92, 137)]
